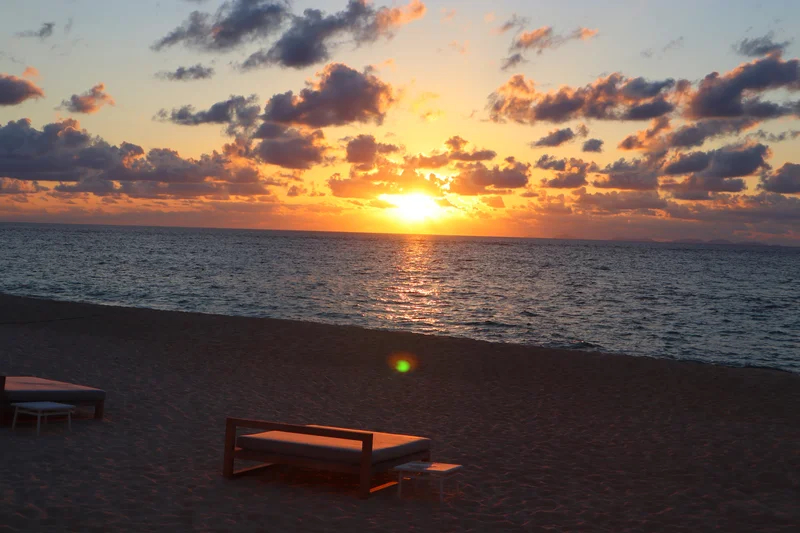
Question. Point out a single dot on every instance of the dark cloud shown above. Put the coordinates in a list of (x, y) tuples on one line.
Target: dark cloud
[(571, 172), (697, 187), (14, 90), (195, 72), (10, 186), (89, 102), (614, 202), (512, 61), (339, 96), (593, 145), (737, 161), (760, 46), (560, 136), (42, 33), (238, 113), (695, 135), (538, 41), (736, 93), (614, 97), (515, 22), (638, 175), (309, 38), (428, 161), (294, 149), (775, 137), (364, 150), (476, 178), (785, 180), (688, 163), (63, 152), (648, 139), (235, 23)]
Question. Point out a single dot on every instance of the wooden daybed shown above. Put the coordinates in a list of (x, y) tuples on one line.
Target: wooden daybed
[(32, 389), (320, 447)]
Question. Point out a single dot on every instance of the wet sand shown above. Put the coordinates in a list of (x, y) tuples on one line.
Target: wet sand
[(551, 440)]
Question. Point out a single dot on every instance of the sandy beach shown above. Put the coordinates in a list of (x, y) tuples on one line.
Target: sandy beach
[(551, 440)]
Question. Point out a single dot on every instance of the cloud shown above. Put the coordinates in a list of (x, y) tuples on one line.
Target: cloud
[(14, 186), (648, 139), (89, 102), (775, 137), (537, 40), (614, 202), (30, 72), (63, 152), (570, 172), (560, 136), (195, 72), (42, 33), (593, 145), (14, 90), (387, 178), (614, 97), (515, 22), (785, 180), (294, 148), (364, 151), (448, 14), (339, 96), (477, 179), (760, 46), (236, 22), (461, 48), (695, 135), (239, 113), (495, 202), (456, 152), (637, 175), (714, 171), (310, 36), (737, 93), (671, 45)]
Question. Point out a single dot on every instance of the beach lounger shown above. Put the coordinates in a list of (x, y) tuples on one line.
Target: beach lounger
[(32, 389), (321, 447)]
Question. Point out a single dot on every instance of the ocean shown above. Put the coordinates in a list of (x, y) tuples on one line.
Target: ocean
[(733, 305)]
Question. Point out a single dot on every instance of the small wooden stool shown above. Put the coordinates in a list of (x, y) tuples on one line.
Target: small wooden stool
[(42, 409), (432, 471)]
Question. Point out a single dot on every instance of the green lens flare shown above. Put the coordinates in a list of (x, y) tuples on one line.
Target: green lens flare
[(403, 366)]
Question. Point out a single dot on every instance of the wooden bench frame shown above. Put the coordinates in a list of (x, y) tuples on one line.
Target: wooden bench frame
[(365, 469)]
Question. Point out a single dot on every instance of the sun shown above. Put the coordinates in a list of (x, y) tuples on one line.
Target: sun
[(413, 207)]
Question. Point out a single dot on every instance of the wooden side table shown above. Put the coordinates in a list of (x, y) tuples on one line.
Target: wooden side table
[(42, 409), (432, 471)]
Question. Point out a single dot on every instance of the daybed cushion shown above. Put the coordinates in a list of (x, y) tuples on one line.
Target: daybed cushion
[(32, 389), (385, 446)]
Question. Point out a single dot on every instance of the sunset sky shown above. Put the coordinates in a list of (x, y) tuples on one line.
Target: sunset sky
[(616, 119)]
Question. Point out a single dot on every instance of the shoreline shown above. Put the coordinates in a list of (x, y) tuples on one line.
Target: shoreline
[(534, 347), (549, 439)]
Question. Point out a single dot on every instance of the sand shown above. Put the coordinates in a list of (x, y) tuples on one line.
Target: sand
[(551, 440)]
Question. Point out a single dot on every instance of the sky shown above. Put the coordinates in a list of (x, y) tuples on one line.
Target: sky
[(582, 119)]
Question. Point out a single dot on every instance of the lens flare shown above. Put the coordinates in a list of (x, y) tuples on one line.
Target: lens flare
[(402, 362)]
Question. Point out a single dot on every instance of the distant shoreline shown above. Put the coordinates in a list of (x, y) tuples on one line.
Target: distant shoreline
[(562, 238)]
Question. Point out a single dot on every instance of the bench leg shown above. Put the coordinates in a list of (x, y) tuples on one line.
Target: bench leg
[(365, 482), (14, 422), (38, 422), (99, 408)]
